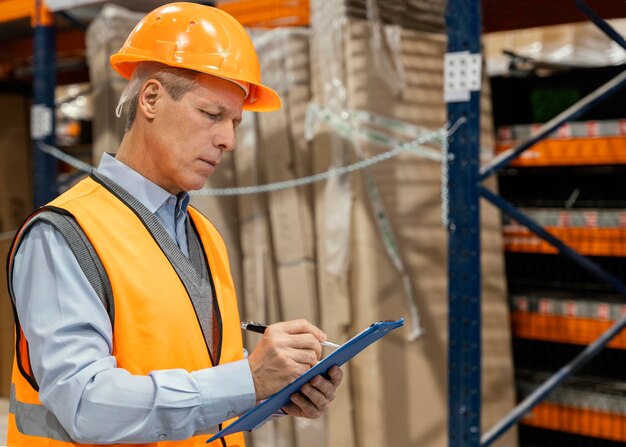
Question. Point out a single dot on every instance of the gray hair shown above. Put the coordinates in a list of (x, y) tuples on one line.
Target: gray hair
[(177, 82)]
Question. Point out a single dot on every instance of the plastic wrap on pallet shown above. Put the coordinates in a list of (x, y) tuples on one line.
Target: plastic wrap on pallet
[(327, 22), (422, 15), (577, 45), (105, 35)]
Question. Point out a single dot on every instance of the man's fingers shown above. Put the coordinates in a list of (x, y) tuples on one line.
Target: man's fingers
[(293, 410), (307, 342), (306, 406), (325, 387), (305, 357), (302, 326), (336, 375), (317, 397), (280, 341), (304, 342)]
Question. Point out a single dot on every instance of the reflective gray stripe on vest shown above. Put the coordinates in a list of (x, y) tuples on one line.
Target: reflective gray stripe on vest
[(84, 252), (36, 420), (198, 287)]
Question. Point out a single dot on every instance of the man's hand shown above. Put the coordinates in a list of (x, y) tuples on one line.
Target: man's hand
[(285, 352), (316, 395)]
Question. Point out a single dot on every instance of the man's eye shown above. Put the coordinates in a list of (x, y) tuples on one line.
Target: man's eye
[(212, 116)]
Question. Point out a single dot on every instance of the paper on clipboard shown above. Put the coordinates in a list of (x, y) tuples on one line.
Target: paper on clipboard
[(266, 409)]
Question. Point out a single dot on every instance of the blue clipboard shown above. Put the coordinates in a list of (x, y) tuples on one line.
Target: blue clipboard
[(266, 409)]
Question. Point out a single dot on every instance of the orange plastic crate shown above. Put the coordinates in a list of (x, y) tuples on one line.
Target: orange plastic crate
[(268, 13), (587, 241), (598, 424), (572, 151), (561, 329)]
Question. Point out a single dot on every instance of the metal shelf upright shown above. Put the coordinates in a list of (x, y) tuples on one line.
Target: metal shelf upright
[(463, 20), (43, 116)]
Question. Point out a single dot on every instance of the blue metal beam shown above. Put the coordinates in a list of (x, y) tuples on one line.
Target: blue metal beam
[(463, 19), (600, 23), (43, 119)]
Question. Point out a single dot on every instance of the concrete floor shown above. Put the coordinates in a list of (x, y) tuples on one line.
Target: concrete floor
[(4, 411)]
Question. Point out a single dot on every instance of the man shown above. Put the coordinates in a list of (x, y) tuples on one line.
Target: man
[(127, 329)]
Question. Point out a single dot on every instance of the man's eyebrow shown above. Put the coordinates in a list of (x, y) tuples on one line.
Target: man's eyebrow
[(222, 108)]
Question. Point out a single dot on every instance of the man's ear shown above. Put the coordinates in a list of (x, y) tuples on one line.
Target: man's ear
[(150, 93)]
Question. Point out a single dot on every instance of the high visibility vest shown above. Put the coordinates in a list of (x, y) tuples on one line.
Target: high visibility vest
[(155, 324)]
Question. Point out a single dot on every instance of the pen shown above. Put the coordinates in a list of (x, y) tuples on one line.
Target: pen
[(260, 328)]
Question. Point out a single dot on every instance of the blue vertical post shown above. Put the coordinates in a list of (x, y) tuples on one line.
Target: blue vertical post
[(463, 21), (43, 111)]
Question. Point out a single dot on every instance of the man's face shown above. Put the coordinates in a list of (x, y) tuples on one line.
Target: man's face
[(191, 134)]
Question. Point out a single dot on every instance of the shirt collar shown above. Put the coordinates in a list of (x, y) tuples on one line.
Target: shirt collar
[(151, 195)]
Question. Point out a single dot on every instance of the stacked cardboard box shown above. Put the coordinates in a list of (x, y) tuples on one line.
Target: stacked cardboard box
[(16, 202), (277, 238), (16, 199)]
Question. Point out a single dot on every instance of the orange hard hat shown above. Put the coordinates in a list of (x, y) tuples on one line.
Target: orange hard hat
[(200, 38)]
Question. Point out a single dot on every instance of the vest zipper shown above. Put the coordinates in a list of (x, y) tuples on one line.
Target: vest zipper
[(222, 440)]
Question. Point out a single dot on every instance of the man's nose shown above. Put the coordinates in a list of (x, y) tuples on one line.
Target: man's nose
[(226, 139)]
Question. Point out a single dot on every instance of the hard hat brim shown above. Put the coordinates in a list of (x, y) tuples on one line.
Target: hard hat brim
[(262, 99)]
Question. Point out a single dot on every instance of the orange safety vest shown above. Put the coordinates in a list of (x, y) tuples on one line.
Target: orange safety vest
[(155, 325)]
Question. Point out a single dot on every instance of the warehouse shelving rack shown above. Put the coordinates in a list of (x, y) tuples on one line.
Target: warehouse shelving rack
[(465, 176), (465, 189), (44, 82)]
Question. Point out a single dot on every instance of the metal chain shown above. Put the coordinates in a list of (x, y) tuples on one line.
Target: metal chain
[(343, 124), (412, 147), (65, 158)]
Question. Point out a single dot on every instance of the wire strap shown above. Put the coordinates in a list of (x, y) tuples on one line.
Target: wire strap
[(346, 126), (65, 158)]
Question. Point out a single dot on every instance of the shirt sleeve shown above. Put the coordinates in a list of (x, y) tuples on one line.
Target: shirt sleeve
[(70, 344)]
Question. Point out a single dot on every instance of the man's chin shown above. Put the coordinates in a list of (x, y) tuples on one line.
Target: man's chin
[(197, 184)]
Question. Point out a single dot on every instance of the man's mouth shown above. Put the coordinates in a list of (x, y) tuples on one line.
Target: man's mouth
[(213, 163)]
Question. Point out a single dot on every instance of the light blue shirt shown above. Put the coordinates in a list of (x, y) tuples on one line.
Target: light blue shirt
[(70, 341)]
